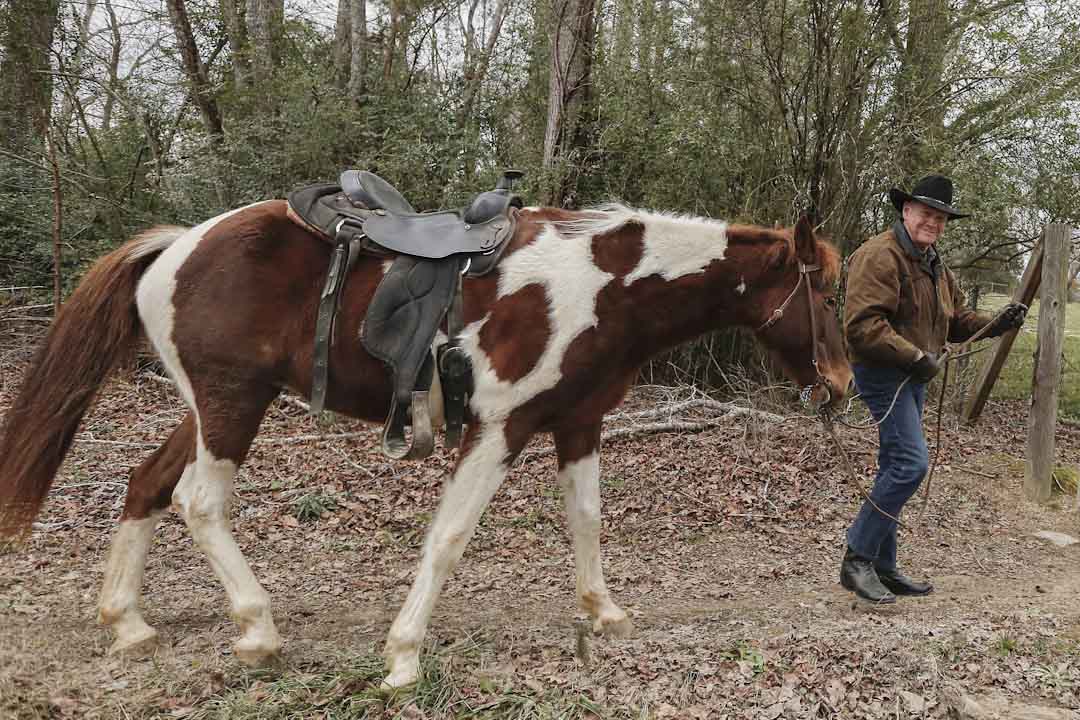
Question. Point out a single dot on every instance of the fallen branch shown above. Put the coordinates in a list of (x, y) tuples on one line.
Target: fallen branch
[(674, 426)]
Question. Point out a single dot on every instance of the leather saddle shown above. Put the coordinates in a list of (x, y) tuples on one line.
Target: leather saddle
[(431, 251)]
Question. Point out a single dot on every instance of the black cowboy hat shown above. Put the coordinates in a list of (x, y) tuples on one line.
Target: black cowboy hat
[(933, 191)]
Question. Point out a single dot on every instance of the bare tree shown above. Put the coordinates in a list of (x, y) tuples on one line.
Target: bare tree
[(25, 81), (390, 37), (233, 15), (264, 25), (569, 92), (358, 39), (342, 43), (194, 70), (478, 59)]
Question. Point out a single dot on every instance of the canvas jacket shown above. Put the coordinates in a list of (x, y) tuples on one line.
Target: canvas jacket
[(900, 301)]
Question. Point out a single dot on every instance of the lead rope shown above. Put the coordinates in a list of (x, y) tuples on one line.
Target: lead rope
[(827, 420)]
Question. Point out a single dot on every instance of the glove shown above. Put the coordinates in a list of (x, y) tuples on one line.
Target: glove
[(1011, 318), (925, 368)]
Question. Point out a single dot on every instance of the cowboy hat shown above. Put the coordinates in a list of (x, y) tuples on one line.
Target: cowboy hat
[(933, 191)]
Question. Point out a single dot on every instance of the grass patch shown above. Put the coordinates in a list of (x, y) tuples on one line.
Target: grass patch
[(351, 692), (311, 507), (1015, 380)]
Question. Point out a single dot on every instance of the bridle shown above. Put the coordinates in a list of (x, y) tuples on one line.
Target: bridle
[(821, 381)]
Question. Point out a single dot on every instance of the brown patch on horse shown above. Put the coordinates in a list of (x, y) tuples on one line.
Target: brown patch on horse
[(516, 332), (619, 251), (93, 332), (574, 444), (151, 485), (271, 270), (781, 251)]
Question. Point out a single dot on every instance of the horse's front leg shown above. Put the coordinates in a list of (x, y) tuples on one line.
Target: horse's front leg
[(479, 472), (579, 477)]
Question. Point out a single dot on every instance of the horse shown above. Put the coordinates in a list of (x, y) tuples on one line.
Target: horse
[(556, 334)]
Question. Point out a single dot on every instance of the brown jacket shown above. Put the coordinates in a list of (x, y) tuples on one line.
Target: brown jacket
[(900, 302)]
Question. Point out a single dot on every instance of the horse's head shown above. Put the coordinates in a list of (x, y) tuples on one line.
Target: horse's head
[(798, 317)]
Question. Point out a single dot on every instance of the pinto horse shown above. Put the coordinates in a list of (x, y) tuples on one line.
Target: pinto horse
[(556, 333)]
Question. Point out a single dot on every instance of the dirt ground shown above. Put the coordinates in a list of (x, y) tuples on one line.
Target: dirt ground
[(722, 544)]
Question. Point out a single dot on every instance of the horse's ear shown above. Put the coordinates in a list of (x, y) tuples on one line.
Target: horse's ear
[(805, 243)]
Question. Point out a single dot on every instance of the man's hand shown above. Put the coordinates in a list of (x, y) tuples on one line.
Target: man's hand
[(1011, 318), (925, 368)]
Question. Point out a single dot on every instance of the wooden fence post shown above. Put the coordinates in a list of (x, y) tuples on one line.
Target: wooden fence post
[(1042, 422), (988, 373)]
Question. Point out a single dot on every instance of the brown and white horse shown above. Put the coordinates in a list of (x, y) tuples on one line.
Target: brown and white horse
[(556, 335)]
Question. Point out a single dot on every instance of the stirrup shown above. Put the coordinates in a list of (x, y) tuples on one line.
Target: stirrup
[(395, 446)]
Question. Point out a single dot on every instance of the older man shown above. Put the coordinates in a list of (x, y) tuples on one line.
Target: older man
[(902, 306)]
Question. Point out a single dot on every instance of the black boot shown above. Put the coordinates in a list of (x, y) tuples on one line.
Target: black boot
[(858, 575), (901, 584)]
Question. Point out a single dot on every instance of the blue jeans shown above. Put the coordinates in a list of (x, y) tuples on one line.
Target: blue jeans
[(902, 460)]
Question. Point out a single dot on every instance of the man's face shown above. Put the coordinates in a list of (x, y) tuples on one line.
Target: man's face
[(924, 224)]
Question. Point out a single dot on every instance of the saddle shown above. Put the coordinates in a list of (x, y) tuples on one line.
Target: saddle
[(430, 253)]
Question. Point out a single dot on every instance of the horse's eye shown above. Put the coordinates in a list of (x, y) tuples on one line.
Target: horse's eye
[(830, 302)]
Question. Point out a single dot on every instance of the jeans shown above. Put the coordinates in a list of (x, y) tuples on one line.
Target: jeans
[(902, 460)]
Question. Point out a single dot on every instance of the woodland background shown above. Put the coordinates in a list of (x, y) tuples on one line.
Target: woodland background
[(117, 114)]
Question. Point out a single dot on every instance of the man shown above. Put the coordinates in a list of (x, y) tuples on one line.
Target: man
[(902, 306)]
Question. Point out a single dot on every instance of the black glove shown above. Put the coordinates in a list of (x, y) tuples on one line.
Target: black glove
[(925, 368), (1011, 318)]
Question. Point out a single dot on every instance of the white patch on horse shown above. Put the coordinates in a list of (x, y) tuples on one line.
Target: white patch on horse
[(580, 483), (741, 287), (476, 478), (676, 246), (154, 240), (154, 299), (118, 604), (204, 497), (564, 265)]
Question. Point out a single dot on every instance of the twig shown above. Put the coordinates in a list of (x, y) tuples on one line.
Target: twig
[(121, 443), (972, 548), (980, 473), (308, 438)]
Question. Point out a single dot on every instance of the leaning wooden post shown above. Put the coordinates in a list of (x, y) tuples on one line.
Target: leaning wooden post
[(988, 373), (1042, 422)]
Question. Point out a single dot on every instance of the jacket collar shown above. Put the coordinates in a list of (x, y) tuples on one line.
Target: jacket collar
[(928, 261)]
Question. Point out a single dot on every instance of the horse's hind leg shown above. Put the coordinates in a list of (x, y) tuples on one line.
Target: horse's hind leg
[(228, 421), (148, 496), (579, 477)]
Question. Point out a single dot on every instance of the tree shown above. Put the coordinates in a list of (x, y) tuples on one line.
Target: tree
[(26, 36), (194, 70), (568, 97)]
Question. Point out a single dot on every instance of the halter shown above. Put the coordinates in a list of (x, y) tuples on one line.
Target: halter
[(821, 381)]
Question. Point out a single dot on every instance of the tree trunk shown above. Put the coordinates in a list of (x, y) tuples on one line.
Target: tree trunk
[(62, 122), (342, 44), (358, 49), (233, 15), (477, 61), (264, 25), (194, 70), (57, 223), (114, 67), (568, 96), (390, 41), (25, 81), (920, 95)]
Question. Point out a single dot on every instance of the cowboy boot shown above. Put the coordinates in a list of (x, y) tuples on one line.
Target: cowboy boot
[(901, 584), (858, 575)]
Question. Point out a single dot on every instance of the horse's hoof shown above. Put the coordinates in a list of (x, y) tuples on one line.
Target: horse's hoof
[(398, 681), (613, 627), (138, 645), (257, 655)]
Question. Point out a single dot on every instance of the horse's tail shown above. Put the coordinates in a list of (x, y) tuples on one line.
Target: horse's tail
[(92, 332)]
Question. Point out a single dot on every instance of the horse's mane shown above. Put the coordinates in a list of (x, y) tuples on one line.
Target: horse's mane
[(778, 244)]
